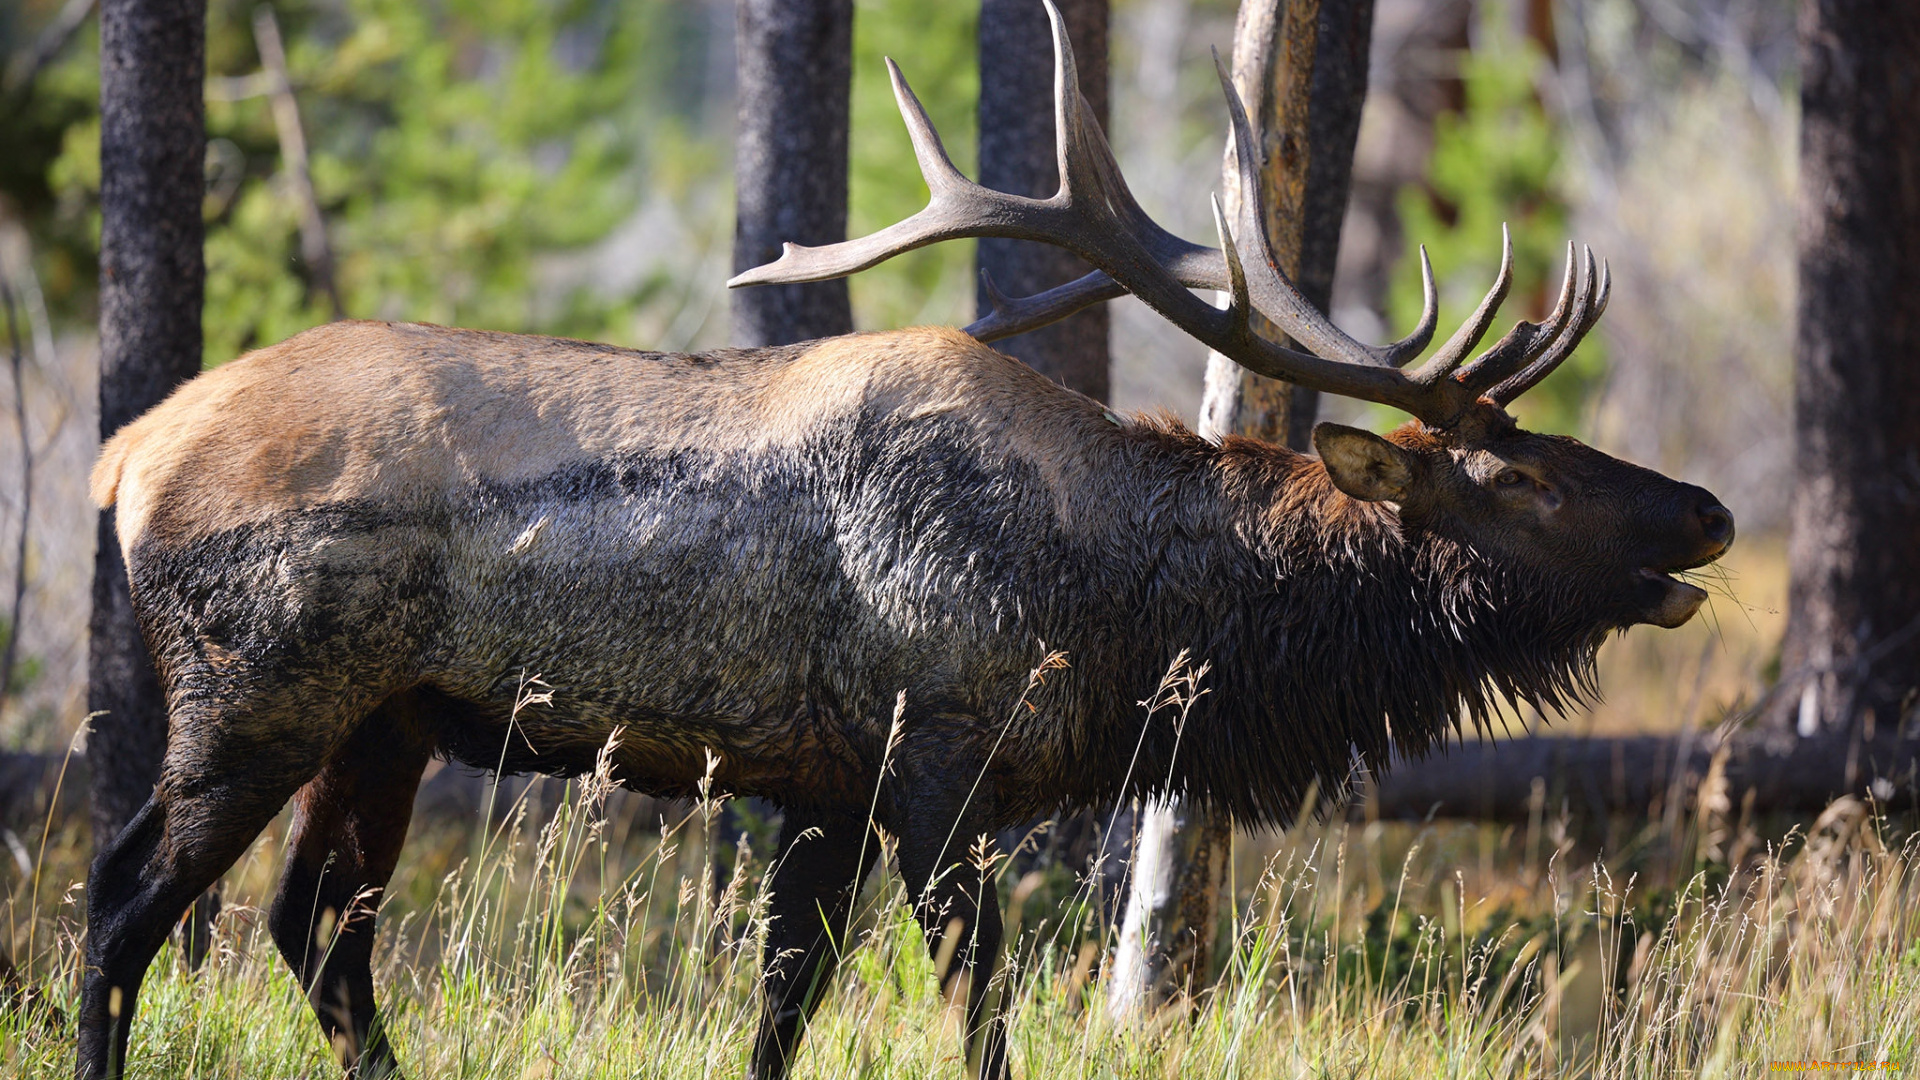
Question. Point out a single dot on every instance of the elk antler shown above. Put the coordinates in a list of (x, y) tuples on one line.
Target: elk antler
[(1096, 217)]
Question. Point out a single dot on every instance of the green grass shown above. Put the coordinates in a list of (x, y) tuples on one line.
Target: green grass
[(585, 936)]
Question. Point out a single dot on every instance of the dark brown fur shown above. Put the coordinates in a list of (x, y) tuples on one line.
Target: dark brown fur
[(774, 548)]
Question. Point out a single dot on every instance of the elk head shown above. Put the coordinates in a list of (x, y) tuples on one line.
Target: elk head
[(1586, 525)]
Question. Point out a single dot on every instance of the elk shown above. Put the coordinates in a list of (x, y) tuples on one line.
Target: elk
[(835, 565)]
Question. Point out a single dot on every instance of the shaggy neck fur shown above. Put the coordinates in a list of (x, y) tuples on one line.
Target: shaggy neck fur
[(1334, 630)]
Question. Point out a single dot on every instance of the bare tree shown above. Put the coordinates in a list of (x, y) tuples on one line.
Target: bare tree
[(790, 160), (152, 280), (790, 166), (1017, 156), (1301, 67), (316, 254)]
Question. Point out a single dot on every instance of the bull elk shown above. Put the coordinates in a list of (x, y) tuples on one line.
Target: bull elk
[(346, 549)]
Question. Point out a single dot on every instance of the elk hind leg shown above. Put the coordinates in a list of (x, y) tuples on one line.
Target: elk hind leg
[(349, 824), (229, 769)]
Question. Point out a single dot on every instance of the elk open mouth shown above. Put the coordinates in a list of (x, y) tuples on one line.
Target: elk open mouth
[(1673, 601), (1670, 602)]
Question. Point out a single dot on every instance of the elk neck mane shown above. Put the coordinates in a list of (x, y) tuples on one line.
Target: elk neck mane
[(1334, 631)]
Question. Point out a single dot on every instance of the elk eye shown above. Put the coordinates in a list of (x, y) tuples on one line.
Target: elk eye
[(1509, 478)]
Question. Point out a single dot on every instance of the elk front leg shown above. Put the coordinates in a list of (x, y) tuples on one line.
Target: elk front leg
[(946, 862), (816, 876)]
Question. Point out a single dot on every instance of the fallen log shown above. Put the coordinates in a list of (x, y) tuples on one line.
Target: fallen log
[(1512, 779)]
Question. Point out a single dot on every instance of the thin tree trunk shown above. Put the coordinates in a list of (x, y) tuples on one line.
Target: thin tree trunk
[(790, 161), (1301, 68), (315, 252), (16, 358), (1853, 625), (795, 64), (1017, 155), (26, 67), (153, 149)]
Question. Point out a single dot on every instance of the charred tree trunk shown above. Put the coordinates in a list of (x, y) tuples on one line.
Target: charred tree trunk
[(153, 148), (790, 161), (152, 276), (1850, 664), (1017, 156), (1301, 68)]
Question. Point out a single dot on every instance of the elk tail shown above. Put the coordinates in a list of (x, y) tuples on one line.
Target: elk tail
[(104, 484)]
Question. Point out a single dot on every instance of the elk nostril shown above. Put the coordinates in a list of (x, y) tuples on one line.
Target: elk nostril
[(1716, 522)]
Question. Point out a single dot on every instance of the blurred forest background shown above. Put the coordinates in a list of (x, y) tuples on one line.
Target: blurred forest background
[(563, 166)]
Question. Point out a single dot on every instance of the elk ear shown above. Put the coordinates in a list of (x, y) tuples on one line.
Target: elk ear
[(1363, 464)]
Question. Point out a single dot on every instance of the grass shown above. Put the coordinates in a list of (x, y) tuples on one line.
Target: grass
[(586, 933)]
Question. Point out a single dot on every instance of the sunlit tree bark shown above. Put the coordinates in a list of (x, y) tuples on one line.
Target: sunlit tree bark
[(1850, 664)]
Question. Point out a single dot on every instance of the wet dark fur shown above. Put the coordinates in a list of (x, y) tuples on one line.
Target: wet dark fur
[(790, 604), (770, 607)]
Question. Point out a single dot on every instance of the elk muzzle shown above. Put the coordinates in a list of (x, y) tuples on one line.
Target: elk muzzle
[(1707, 530)]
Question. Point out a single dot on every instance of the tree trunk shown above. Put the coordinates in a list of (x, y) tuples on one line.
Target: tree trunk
[(795, 80), (1017, 155), (153, 148), (1850, 663), (1173, 903), (152, 169), (790, 161), (1301, 68)]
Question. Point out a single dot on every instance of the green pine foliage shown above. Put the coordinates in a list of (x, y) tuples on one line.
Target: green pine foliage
[(453, 148)]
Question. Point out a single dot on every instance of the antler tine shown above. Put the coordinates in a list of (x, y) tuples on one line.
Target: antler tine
[(1593, 301), (1278, 298), (1068, 148), (1239, 301), (1090, 175), (956, 207), (1442, 363), (936, 167), (1524, 342), (1016, 315), (1398, 353)]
